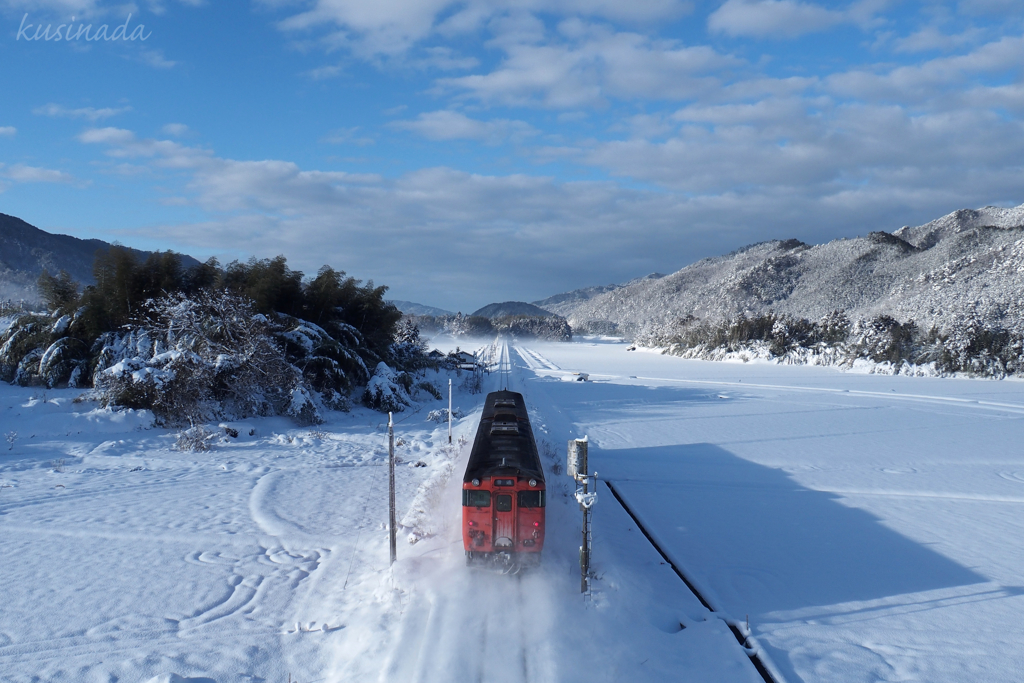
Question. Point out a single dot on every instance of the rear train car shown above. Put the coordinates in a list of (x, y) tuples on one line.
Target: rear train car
[(503, 493)]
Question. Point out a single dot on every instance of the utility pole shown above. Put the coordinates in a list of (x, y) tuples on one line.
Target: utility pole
[(576, 467), (391, 485), (449, 410)]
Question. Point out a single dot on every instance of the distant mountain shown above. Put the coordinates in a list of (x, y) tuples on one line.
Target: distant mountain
[(412, 308), (26, 250), (965, 263), (564, 304), (508, 308)]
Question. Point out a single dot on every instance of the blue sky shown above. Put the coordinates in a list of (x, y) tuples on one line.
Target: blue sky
[(467, 152)]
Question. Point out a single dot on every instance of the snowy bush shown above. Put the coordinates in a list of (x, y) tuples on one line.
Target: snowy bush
[(473, 383), (972, 346), (200, 357), (551, 328), (388, 390), (195, 438), (441, 415), (408, 348), (967, 345), (599, 327), (883, 340), (39, 350), (430, 388), (330, 365), (254, 338)]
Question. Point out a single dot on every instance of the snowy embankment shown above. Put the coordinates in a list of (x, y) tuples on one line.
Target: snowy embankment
[(760, 352), (869, 526)]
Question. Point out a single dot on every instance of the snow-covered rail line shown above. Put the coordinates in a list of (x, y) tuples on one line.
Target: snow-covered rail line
[(758, 658)]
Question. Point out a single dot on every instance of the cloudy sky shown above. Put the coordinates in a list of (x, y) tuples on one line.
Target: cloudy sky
[(479, 150)]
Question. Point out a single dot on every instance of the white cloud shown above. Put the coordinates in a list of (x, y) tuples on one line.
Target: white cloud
[(175, 129), (445, 59), (730, 176), (107, 136), (79, 7), (7, 131), (786, 18), (88, 113), (769, 111), (771, 18), (931, 38), (598, 64), (392, 27), (349, 136), (919, 82), (453, 125), (123, 144), (997, 7), (645, 126), (770, 147), (21, 173), (156, 59), (322, 73)]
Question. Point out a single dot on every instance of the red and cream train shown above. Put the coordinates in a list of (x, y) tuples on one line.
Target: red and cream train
[(503, 493)]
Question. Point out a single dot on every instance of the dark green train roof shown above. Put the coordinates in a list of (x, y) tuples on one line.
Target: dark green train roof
[(504, 444)]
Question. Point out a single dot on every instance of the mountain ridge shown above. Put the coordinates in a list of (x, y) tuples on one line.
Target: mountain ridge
[(967, 263), (511, 308), (25, 251), (566, 302), (413, 308)]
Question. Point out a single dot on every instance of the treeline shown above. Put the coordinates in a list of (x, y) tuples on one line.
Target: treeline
[(248, 338), (551, 328), (965, 344)]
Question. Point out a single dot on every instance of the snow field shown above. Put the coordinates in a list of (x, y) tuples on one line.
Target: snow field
[(266, 558), (869, 526), (137, 560)]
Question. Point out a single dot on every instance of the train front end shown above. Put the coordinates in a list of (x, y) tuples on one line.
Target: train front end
[(503, 492)]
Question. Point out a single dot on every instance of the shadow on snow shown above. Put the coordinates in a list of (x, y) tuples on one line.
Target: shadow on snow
[(762, 542)]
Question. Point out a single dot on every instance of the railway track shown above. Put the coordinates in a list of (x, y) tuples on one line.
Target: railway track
[(757, 657)]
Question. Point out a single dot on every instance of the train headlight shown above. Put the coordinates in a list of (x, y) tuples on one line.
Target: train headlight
[(533, 482), (476, 482)]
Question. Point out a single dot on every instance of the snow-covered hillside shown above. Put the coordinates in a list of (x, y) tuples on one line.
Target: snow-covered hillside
[(969, 262), (565, 303), (413, 308)]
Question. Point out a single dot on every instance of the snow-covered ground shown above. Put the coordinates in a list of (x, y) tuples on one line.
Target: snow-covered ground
[(869, 526), (265, 559)]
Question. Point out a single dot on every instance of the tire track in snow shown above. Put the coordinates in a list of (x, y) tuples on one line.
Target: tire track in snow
[(532, 357)]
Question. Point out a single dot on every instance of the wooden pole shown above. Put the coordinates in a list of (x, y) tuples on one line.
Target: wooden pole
[(391, 486), (449, 411)]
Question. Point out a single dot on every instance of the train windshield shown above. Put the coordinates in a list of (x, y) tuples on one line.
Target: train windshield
[(531, 499), (476, 499), (503, 502)]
